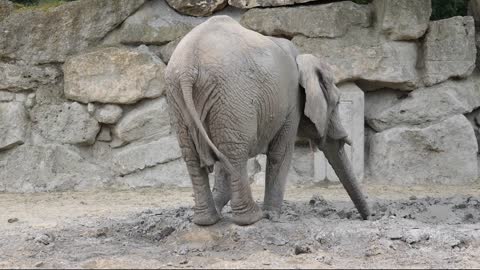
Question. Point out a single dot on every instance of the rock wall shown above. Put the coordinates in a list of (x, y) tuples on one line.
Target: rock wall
[(82, 103)]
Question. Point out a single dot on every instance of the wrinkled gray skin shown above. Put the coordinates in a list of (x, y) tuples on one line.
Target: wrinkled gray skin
[(234, 94)]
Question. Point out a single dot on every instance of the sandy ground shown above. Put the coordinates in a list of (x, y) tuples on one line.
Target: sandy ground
[(413, 227)]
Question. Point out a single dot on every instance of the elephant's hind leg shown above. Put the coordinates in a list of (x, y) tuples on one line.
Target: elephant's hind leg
[(205, 212), (245, 210), (222, 192), (279, 156)]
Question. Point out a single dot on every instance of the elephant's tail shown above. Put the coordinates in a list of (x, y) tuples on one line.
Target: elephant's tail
[(187, 88)]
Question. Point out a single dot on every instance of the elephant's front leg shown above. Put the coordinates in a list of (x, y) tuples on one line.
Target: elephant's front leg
[(279, 156), (222, 192)]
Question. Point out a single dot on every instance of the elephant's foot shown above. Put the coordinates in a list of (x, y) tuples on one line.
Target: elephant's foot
[(249, 217), (220, 199), (271, 213), (206, 218)]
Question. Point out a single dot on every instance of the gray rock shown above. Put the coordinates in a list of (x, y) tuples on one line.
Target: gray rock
[(330, 20), (6, 7), (114, 75), (442, 153), (6, 96), (197, 8), (364, 55), (173, 173), (65, 30), (387, 108), (154, 23), (21, 77), (30, 101), (13, 124), (66, 123), (149, 119), (105, 134), (137, 157), (265, 3), (108, 114), (403, 19), (30, 168), (165, 51), (449, 49)]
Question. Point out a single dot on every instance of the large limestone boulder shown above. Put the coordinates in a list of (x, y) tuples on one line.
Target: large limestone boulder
[(364, 55), (443, 153), (21, 77), (449, 49), (137, 157), (330, 20), (403, 19), (114, 75), (148, 120), (30, 168), (50, 35), (13, 124), (388, 108), (156, 23), (265, 3), (66, 123), (6, 7), (197, 8)]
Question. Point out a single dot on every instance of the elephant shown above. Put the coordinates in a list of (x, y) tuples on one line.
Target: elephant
[(233, 94)]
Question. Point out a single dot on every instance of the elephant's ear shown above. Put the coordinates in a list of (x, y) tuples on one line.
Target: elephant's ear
[(321, 94)]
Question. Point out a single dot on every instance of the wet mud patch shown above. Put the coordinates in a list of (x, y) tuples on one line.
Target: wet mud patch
[(315, 233)]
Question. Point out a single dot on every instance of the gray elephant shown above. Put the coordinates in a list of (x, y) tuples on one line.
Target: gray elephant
[(235, 93)]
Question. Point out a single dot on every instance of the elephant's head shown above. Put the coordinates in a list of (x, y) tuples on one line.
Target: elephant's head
[(321, 123)]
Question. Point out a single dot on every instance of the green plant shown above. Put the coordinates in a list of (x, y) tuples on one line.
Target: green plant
[(442, 9)]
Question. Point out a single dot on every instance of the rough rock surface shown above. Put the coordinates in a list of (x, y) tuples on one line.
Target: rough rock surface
[(449, 49), (108, 114), (13, 124), (66, 123), (403, 19), (165, 51), (137, 157), (114, 75), (173, 173), (149, 119), (365, 55), (6, 7), (330, 20), (65, 30), (32, 168), (265, 3), (6, 96), (443, 153), (197, 8), (388, 108), (21, 77), (156, 23)]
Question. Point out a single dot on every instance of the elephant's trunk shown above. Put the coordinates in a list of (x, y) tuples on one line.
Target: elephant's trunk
[(336, 156)]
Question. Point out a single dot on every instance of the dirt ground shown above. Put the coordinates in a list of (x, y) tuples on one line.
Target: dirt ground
[(413, 227)]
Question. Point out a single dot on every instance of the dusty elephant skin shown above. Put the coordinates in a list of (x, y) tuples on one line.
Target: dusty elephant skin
[(234, 94)]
